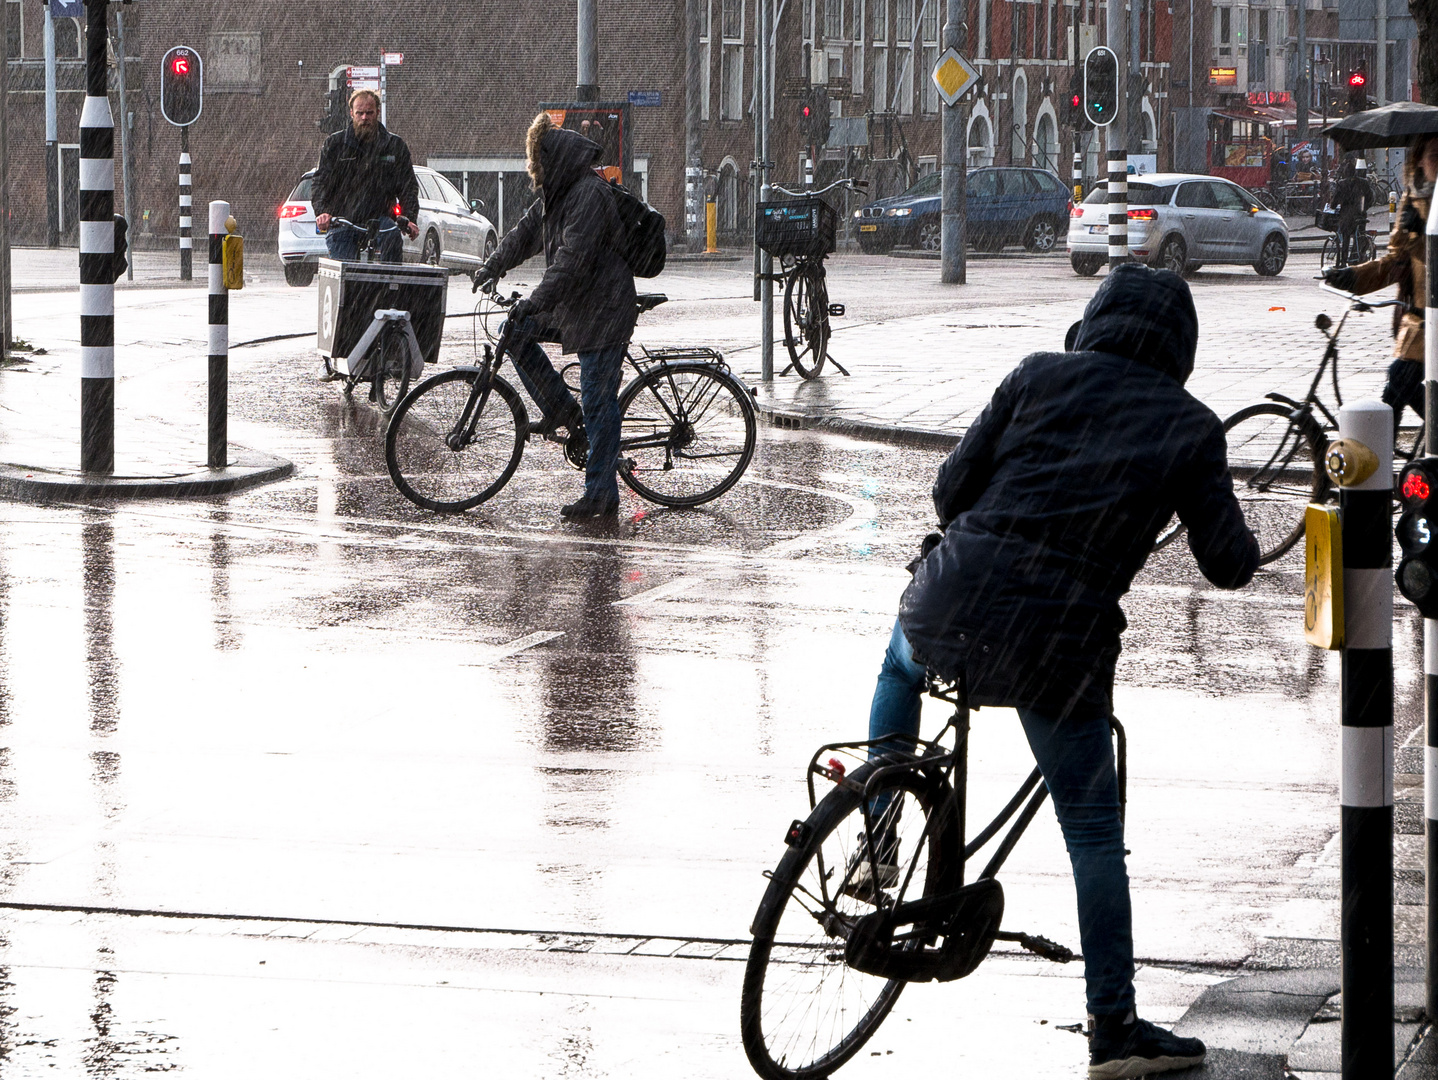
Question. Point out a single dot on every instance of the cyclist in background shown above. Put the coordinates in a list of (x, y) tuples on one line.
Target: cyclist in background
[(363, 171), (1350, 197), (1402, 265), (1050, 506)]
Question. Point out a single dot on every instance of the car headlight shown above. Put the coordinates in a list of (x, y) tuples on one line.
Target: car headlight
[(902, 211), (858, 213)]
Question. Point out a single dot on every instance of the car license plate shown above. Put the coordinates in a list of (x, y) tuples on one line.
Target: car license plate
[(1098, 229), (868, 228)]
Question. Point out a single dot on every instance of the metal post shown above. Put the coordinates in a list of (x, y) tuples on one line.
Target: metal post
[(125, 173), (764, 59), (219, 339), (694, 76), (6, 314), (954, 145), (383, 97), (588, 67), (1366, 783), (97, 252), (1116, 139), (52, 139), (186, 242), (1302, 93), (1430, 643)]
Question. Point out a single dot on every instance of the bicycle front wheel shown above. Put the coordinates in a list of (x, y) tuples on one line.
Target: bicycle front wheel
[(1329, 255), (804, 1012), (806, 318), (686, 435), (391, 371), (442, 460), (1277, 468)]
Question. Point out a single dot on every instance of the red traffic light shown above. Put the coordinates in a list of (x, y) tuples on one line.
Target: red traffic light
[(806, 112), (1358, 79), (180, 65), (1077, 100)]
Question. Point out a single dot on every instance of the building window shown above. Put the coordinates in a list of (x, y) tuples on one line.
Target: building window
[(1020, 103), (929, 34), (986, 28), (731, 75), (904, 22), (69, 40), (879, 20), (1053, 42), (881, 79), (834, 26), (14, 30), (1020, 19), (705, 28), (1225, 31)]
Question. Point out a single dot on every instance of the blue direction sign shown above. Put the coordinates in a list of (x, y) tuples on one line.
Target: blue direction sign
[(644, 98), (67, 9)]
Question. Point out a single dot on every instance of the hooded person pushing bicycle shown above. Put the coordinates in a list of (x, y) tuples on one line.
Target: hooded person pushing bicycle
[(1050, 506), (586, 298)]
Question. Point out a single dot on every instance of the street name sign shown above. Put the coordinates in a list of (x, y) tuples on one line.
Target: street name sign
[(391, 59), (953, 75), (644, 98)]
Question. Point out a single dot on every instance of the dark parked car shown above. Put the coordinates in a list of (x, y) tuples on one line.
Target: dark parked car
[(1005, 206)]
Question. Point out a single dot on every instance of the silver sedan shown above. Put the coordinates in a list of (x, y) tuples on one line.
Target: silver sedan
[(1180, 221)]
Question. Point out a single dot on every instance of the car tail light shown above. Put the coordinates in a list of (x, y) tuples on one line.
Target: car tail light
[(397, 211), (1077, 211), (292, 210), (1146, 214)]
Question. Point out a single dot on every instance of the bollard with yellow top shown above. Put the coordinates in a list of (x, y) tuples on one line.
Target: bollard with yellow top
[(711, 226)]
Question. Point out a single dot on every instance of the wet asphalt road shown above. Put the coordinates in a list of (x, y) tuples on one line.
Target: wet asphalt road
[(415, 795)]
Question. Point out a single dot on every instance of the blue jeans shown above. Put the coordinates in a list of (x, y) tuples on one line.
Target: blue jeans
[(343, 243), (1075, 755)]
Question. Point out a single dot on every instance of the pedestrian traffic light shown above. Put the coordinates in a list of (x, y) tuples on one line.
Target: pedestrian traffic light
[(806, 120), (816, 114), (336, 111), (1357, 91), (1100, 86), (1418, 569), (119, 261), (182, 86)]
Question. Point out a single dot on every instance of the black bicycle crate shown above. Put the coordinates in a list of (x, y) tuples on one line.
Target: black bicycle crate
[(796, 227), (350, 292)]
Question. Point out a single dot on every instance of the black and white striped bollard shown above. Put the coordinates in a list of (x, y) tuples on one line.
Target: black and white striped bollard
[(1366, 783), (97, 252), (186, 209), (1430, 640), (1077, 171), (1117, 206), (217, 457)]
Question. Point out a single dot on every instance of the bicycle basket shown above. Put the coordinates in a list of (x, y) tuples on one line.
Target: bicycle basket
[(1327, 220), (796, 227)]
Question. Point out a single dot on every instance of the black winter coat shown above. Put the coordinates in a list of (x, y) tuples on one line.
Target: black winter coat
[(587, 294), (1052, 501), (363, 180)]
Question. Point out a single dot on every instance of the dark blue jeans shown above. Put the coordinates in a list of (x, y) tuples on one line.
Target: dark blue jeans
[(599, 374), (1075, 755), (343, 243)]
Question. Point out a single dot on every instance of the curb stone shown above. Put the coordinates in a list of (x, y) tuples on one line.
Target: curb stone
[(247, 468)]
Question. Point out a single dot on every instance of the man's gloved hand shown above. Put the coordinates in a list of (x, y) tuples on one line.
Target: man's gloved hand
[(522, 309), (486, 278), (1341, 277), (1412, 221)]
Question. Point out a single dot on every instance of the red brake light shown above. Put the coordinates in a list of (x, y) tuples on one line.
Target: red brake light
[(1145, 214), (292, 210), (1077, 211), (1415, 486)]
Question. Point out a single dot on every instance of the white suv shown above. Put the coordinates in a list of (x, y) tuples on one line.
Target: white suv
[(452, 232)]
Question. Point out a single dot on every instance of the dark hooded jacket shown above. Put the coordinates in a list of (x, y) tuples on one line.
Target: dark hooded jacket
[(363, 180), (1052, 501), (587, 294)]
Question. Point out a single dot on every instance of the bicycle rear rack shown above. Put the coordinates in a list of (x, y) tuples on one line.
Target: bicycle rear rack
[(676, 353)]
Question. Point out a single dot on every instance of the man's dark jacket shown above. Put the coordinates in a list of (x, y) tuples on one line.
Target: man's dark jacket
[(362, 180), (1351, 197), (1051, 503), (587, 294)]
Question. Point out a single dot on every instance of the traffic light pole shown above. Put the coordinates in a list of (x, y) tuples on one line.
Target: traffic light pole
[(97, 251), (186, 220), (1117, 140), (1430, 645)]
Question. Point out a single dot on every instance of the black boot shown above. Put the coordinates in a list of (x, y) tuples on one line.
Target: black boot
[(587, 508), (1122, 1046)]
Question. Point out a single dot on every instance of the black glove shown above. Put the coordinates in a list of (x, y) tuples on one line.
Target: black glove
[(1341, 277), (1412, 221), (522, 309), (486, 277)]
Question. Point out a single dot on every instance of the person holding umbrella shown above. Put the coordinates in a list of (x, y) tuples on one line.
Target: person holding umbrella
[(1402, 265)]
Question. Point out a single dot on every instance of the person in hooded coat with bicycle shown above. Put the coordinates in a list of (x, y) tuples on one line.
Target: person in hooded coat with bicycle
[(586, 301), (1402, 265), (1049, 507)]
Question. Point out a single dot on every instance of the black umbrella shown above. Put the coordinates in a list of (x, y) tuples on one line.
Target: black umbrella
[(1387, 125)]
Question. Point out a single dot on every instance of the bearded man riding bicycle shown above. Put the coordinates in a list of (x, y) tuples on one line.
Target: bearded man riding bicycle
[(1050, 506)]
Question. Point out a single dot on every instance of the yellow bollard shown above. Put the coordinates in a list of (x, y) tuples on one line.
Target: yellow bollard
[(711, 227)]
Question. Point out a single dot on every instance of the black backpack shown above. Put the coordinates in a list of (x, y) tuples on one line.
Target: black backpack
[(643, 245)]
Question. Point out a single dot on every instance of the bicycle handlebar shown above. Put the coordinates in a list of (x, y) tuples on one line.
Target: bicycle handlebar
[(1358, 301), (384, 224)]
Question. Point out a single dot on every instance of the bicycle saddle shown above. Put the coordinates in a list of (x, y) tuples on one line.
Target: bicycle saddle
[(648, 301)]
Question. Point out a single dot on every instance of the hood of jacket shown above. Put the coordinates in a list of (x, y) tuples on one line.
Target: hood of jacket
[(1144, 315), (564, 157)]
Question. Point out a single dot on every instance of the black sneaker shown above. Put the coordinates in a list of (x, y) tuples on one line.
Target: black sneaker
[(1123, 1046), (587, 508)]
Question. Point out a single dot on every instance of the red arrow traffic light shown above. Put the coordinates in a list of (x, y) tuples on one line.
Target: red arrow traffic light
[(180, 65)]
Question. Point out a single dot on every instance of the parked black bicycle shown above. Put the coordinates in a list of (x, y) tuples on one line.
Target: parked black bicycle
[(1276, 448), (874, 892), (687, 428), (800, 234)]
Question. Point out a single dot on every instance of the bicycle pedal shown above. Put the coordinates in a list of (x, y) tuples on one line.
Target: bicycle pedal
[(836, 311)]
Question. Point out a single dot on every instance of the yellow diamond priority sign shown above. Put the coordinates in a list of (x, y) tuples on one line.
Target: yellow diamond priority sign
[(953, 75)]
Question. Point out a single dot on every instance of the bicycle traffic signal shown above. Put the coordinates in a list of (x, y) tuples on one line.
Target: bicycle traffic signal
[(1357, 91), (1100, 86), (1418, 569), (336, 111), (814, 117), (182, 86), (1071, 105)]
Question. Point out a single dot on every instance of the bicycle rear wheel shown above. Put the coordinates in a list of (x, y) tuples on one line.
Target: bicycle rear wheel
[(438, 467), (806, 318), (391, 372), (804, 1012), (1277, 468), (686, 435)]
